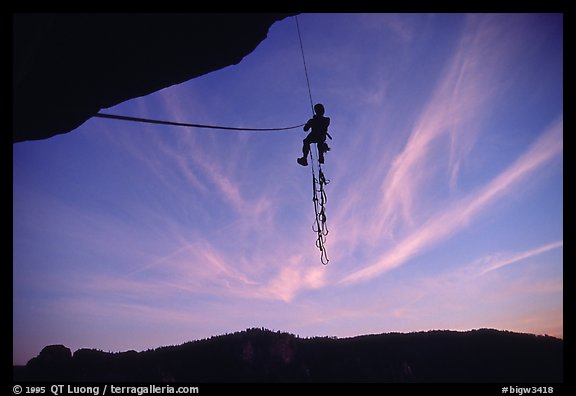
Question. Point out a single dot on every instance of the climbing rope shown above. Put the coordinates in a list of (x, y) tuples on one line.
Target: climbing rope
[(182, 124), (319, 197), (304, 62)]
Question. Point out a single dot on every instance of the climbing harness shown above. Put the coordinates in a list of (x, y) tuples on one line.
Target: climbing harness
[(319, 197)]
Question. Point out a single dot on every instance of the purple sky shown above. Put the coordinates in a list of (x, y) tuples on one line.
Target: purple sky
[(444, 207)]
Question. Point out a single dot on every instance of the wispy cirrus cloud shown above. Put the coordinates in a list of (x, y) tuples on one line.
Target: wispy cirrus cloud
[(495, 262), (200, 268), (505, 296), (398, 190), (449, 121), (436, 149), (449, 293), (448, 221)]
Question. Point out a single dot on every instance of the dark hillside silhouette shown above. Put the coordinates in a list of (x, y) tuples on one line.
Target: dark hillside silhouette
[(260, 355)]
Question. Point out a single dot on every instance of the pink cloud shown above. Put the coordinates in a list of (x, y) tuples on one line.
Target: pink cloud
[(493, 263), (200, 267), (462, 96), (461, 213)]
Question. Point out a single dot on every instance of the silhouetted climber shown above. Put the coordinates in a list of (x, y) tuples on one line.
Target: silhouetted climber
[(319, 125)]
